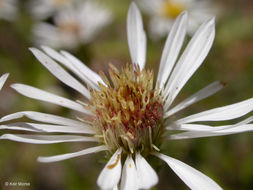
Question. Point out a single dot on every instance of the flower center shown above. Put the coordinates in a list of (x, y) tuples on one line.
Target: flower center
[(61, 2), (172, 9), (70, 27), (128, 110)]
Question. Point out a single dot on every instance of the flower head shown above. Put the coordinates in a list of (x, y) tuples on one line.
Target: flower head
[(42, 9), (164, 12), (8, 9), (127, 114), (78, 23)]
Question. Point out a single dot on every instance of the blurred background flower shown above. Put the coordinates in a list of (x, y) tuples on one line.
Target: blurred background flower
[(79, 23), (8, 9), (164, 12), (227, 160)]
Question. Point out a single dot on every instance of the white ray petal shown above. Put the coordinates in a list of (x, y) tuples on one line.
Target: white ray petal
[(193, 178), (58, 57), (200, 95), (129, 178), (136, 36), (3, 78), (193, 56), (147, 176), (86, 71), (37, 127), (42, 95), (110, 175), (63, 60), (71, 155), (222, 113), (196, 127), (44, 117), (18, 128), (46, 139), (220, 131), (172, 48), (59, 72)]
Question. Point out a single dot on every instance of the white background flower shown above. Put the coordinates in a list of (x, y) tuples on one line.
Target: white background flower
[(8, 9), (77, 24), (164, 12)]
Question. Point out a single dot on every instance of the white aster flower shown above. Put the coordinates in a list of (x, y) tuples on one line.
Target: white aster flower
[(128, 116), (78, 24), (42, 9), (164, 12), (8, 9)]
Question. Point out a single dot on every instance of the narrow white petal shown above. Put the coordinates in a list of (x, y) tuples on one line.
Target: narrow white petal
[(195, 127), (46, 139), (57, 56), (193, 178), (42, 95), (3, 78), (110, 175), (200, 95), (63, 60), (129, 178), (147, 176), (71, 155), (216, 131), (172, 48), (189, 62), (60, 73), (44, 117), (86, 71), (222, 113), (136, 36), (19, 128), (47, 128)]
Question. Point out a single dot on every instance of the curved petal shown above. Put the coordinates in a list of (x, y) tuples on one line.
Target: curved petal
[(42, 95), (64, 61), (61, 157), (46, 139), (92, 76), (110, 175), (60, 73), (136, 36), (200, 95), (47, 128), (44, 117), (190, 176), (3, 78), (215, 131), (222, 113)]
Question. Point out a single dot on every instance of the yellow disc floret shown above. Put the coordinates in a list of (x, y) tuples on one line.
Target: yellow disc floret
[(172, 9), (128, 110)]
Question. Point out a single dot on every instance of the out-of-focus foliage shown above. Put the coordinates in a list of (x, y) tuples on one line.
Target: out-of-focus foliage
[(227, 160)]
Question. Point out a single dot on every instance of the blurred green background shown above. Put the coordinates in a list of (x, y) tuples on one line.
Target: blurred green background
[(228, 160)]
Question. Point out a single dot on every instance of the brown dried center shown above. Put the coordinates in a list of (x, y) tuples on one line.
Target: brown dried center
[(128, 110)]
